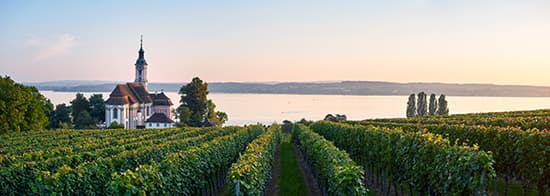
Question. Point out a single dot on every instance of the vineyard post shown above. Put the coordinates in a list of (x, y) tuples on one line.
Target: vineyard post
[(495, 192), (237, 188), (481, 182)]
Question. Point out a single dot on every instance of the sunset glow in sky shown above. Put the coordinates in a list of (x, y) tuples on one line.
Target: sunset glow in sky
[(470, 41)]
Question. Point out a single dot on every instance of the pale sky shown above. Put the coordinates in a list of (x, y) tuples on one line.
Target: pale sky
[(455, 41)]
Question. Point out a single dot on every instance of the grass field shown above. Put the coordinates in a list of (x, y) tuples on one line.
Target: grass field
[(291, 181)]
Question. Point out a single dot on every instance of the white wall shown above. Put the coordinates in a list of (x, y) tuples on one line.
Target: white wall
[(122, 116)]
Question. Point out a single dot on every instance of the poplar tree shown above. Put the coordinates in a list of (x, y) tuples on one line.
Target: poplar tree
[(411, 106), (442, 109), (422, 106), (432, 110)]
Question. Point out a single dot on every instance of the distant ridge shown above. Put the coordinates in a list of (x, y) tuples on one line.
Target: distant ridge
[(324, 88)]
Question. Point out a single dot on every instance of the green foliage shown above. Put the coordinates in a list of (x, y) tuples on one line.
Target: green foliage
[(432, 110), (519, 154), (84, 121), (188, 172), (287, 126), (253, 168), (339, 174), (22, 108), (215, 117), (442, 109), (79, 104), (73, 162), (88, 113), (61, 117), (422, 106), (221, 117), (411, 106), (97, 107), (115, 125), (194, 102), (424, 161), (304, 122), (196, 109)]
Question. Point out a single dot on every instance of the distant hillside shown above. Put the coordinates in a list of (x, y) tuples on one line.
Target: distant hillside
[(326, 88)]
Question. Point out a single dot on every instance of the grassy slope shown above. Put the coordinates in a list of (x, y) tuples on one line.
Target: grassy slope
[(291, 181)]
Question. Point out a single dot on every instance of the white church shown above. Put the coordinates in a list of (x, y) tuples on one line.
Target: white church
[(133, 106)]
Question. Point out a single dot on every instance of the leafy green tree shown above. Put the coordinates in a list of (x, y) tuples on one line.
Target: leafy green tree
[(183, 113), (442, 109), (422, 107), (217, 118), (194, 104), (84, 121), (196, 109), (222, 117), (61, 117), (79, 104), (97, 107), (115, 125), (433, 105), (411, 106), (22, 108)]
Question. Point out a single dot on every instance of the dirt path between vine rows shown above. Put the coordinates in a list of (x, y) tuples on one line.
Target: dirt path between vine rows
[(273, 187), (305, 169)]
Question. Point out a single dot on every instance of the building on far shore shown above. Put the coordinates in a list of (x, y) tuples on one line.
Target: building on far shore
[(133, 106)]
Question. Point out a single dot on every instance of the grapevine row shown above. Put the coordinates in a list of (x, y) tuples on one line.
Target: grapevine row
[(196, 171), (92, 176), (424, 162), (339, 175), (252, 171), (522, 155)]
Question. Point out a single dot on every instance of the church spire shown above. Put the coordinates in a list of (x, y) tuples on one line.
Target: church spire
[(141, 52), (141, 66)]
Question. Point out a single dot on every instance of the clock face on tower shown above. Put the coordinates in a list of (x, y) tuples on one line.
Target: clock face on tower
[(139, 67)]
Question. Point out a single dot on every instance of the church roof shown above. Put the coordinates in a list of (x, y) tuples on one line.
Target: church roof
[(139, 92), (159, 118), (160, 99), (128, 93), (121, 95)]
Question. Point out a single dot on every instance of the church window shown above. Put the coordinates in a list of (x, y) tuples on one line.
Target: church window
[(158, 125), (115, 113)]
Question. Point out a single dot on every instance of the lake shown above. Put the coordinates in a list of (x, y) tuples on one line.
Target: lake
[(268, 108)]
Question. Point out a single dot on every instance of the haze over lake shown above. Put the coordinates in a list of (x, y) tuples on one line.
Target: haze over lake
[(268, 108)]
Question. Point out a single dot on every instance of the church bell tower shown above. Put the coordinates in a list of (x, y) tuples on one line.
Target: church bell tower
[(141, 67)]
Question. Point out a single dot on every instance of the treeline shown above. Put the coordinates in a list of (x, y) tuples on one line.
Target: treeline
[(82, 113), (23, 108), (436, 107)]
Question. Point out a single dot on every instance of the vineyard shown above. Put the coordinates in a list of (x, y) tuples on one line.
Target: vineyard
[(471, 154), (519, 142)]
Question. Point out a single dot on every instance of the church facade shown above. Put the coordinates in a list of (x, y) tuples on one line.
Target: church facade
[(133, 106)]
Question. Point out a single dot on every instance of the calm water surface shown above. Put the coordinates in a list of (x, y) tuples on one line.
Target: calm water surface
[(269, 108)]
